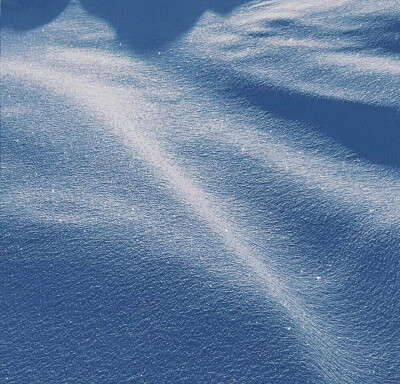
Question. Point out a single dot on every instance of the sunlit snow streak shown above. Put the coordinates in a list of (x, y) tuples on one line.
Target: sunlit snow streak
[(278, 43), (341, 181), (108, 104)]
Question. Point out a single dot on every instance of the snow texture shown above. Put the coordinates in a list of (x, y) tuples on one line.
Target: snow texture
[(200, 191)]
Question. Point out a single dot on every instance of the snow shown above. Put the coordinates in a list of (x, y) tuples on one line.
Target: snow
[(180, 181)]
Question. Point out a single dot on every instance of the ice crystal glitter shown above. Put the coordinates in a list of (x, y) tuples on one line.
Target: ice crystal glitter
[(207, 193)]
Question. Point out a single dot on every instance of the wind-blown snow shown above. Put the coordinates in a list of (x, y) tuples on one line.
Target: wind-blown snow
[(259, 148)]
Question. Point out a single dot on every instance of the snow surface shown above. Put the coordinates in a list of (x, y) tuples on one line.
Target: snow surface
[(200, 191)]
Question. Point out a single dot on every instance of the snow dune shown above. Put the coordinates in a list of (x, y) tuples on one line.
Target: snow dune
[(256, 143)]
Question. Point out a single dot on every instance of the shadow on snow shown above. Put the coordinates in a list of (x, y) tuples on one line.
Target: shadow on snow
[(143, 25)]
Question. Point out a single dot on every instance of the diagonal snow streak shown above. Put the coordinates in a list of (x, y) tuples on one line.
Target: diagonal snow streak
[(109, 105), (278, 43)]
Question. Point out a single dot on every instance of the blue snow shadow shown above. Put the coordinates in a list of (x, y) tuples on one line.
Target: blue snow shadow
[(148, 25), (371, 132), (377, 33), (145, 26), (22, 15)]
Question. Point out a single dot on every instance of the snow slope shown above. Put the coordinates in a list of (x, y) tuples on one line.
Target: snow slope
[(200, 191)]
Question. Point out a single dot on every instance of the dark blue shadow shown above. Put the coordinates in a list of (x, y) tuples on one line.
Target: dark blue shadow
[(148, 25), (371, 132), (28, 14), (380, 33)]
